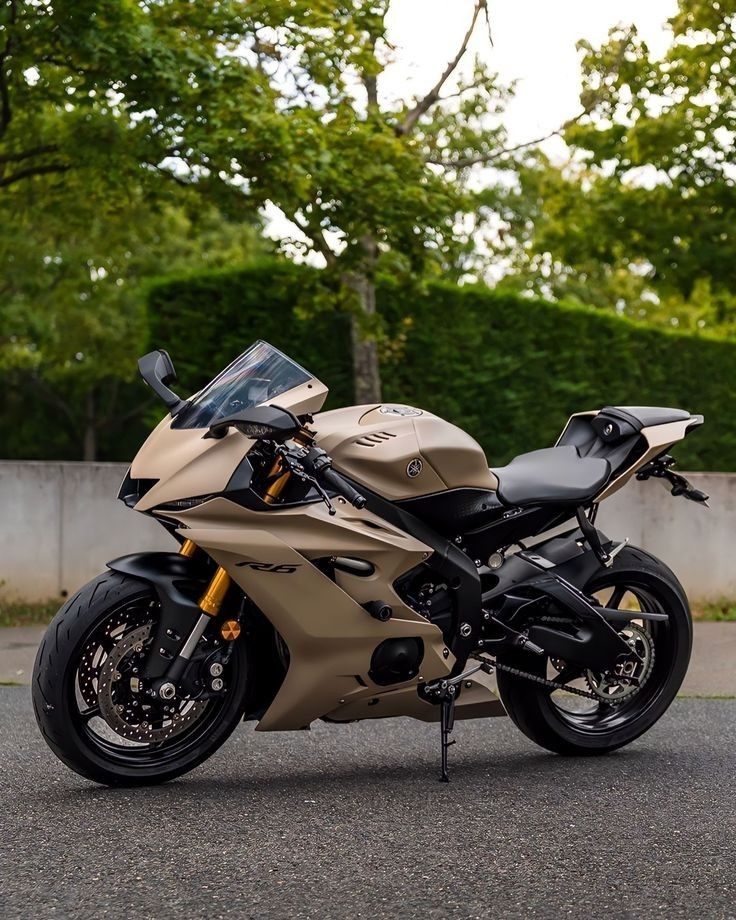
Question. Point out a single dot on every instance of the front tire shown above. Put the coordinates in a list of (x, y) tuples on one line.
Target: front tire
[(635, 577), (66, 683)]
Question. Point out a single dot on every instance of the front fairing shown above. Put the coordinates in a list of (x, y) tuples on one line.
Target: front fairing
[(184, 464)]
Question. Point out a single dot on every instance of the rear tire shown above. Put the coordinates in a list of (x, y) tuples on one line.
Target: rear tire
[(534, 712), (56, 695)]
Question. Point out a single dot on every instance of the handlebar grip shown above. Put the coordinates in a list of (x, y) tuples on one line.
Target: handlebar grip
[(340, 485)]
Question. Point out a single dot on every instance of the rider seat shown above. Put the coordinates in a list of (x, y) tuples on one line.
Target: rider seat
[(554, 475)]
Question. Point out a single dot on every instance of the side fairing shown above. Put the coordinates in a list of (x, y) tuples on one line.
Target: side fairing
[(330, 636)]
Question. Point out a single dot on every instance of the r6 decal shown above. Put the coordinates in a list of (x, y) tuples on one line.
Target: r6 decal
[(270, 567)]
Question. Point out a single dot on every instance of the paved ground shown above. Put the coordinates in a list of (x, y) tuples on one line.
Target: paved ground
[(350, 821), (712, 668), (18, 646)]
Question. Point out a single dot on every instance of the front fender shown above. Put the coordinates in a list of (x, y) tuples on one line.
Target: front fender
[(178, 582)]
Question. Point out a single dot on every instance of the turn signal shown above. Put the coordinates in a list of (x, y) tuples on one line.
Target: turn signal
[(230, 630)]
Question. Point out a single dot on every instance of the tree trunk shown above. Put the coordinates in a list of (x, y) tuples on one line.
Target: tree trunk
[(366, 371), (90, 428)]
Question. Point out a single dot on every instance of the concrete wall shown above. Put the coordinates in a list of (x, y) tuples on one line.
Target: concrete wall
[(60, 523), (698, 543)]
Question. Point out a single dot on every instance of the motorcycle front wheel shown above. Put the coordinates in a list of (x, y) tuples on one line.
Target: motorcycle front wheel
[(89, 702), (610, 709)]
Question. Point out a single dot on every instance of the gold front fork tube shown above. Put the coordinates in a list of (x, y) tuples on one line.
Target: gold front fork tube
[(276, 487), (212, 599), (188, 548)]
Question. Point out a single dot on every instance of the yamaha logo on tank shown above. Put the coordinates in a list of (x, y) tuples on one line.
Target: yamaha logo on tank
[(414, 467)]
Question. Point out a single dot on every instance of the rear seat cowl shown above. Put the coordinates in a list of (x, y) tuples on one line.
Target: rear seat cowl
[(645, 416)]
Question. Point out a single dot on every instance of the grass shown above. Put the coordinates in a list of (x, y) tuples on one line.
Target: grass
[(724, 611), (19, 613), (706, 696)]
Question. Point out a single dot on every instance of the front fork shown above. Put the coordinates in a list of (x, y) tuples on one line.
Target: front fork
[(210, 604)]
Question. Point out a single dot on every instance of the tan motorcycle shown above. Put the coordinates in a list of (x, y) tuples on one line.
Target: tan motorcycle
[(363, 563)]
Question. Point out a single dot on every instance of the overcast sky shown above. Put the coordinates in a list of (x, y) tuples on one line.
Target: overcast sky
[(534, 43)]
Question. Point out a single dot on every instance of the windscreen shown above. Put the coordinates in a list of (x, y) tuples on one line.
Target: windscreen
[(258, 376)]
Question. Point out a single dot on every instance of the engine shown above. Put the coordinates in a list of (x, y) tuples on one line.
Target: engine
[(425, 591)]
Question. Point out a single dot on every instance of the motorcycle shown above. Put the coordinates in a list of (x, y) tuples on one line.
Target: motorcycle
[(363, 563)]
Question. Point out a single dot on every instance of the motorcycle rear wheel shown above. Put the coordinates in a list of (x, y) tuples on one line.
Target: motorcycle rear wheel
[(111, 613), (608, 725)]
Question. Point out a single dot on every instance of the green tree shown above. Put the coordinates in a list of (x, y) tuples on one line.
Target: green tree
[(640, 218), (265, 103), (362, 182), (89, 95), (72, 318)]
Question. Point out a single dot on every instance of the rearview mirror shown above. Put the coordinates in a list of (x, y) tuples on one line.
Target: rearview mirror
[(157, 369)]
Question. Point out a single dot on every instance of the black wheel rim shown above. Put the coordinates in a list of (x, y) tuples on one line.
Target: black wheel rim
[(596, 717), (92, 729)]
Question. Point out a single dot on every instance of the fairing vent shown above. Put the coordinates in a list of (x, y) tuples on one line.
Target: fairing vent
[(132, 490), (374, 439)]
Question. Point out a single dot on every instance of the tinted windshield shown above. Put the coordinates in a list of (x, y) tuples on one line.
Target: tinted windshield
[(258, 376)]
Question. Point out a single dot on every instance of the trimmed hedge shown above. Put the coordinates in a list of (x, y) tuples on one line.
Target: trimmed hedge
[(508, 369)]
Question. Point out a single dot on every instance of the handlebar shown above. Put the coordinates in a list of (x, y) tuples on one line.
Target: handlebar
[(314, 464), (339, 484)]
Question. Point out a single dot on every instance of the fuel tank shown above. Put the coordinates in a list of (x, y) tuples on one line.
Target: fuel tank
[(402, 452)]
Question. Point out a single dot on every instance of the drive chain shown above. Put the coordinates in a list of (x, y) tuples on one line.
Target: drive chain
[(544, 682)]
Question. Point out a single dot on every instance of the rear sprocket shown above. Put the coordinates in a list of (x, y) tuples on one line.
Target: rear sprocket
[(628, 676)]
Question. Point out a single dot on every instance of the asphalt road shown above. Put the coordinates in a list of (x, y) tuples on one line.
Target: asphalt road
[(350, 821)]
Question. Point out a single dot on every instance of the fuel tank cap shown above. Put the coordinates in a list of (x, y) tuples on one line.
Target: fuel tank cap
[(403, 411)]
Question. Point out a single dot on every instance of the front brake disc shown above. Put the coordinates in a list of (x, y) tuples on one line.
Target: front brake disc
[(131, 714)]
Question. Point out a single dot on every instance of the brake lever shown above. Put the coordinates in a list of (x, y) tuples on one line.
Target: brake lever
[(297, 469), (325, 497)]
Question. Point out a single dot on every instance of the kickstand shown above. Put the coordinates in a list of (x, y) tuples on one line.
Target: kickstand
[(447, 723)]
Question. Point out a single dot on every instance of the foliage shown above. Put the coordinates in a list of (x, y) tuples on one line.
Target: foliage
[(509, 369), (640, 219), (259, 105), (722, 611), (72, 320), (99, 86), (90, 94)]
